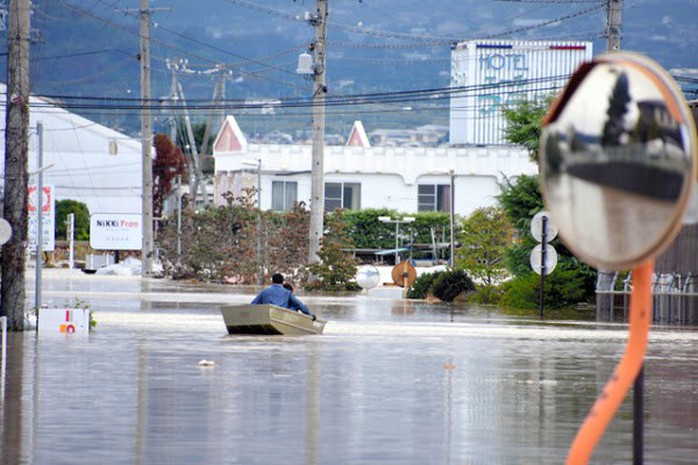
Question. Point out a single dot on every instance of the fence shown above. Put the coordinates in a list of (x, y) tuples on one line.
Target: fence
[(675, 300)]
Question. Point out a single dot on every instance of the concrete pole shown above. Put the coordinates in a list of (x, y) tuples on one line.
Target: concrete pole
[(397, 241), (39, 213), (317, 189), (614, 27), (260, 262), (146, 141), (16, 160), (179, 219), (71, 240)]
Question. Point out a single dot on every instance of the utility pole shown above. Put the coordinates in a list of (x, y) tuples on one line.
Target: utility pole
[(16, 161), (146, 136), (614, 26), (216, 102), (196, 155), (317, 189), (39, 213), (146, 142)]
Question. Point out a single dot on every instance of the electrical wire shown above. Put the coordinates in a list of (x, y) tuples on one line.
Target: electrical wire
[(185, 52), (330, 100)]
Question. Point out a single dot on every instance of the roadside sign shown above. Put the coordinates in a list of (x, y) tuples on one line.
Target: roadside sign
[(48, 217), (537, 227), (64, 321), (5, 231), (116, 231), (536, 258)]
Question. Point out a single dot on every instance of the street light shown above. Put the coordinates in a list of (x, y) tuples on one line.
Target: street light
[(452, 216), (398, 222)]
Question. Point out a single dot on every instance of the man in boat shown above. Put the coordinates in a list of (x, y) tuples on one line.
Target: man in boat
[(278, 295)]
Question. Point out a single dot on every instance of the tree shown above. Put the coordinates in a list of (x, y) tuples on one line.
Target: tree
[(485, 235), (82, 219), (287, 242), (614, 127), (167, 165), (337, 268), (523, 124), (520, 200), (207, 158)]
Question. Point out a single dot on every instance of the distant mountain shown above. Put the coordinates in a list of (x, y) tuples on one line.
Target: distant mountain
[(91, 48)]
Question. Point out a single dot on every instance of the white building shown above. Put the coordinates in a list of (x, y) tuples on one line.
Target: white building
[(85, 161), (358, 176), (489, 75)]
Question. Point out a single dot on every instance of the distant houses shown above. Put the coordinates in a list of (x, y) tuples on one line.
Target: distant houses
[(424, 136)]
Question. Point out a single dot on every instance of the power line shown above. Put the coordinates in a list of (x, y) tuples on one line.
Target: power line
[(349, 98), (185, 52)]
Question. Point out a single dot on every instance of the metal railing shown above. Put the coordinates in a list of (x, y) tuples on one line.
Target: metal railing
[(675, 300)]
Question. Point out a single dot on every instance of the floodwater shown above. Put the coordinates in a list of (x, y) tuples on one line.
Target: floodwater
[(388, 383)]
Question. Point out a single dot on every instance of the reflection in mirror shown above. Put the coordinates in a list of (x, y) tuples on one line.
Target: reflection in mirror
[(617, 161)]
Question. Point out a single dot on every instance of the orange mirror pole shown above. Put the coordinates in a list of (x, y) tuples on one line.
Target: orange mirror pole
[(626, 372)]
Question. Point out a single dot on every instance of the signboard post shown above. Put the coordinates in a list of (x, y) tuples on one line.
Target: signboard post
[(543, 257)]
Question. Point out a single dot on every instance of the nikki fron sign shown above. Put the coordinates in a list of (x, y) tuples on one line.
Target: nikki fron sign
[(116, 231)]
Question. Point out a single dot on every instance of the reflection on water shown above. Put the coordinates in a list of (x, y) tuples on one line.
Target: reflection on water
[(386, 383)]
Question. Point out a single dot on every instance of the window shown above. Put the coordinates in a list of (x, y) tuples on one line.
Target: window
[(283, 195), (434, 197), (342, 195)]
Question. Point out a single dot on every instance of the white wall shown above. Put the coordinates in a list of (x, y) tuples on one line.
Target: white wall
[(389, 176)]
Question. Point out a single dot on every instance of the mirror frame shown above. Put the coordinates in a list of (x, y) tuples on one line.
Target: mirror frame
[(677, 106)]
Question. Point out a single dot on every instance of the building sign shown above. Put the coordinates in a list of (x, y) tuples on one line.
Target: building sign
[(116, 231), (490, 75), (48, 217)]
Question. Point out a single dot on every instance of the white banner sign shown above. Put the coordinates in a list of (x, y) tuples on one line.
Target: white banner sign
[(48, 218), (116, 231)]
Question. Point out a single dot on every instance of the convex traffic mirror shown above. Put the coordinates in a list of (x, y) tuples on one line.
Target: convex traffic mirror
[(618, 161)]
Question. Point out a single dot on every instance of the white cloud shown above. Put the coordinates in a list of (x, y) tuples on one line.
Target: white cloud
[(684, 71), (525, 22)]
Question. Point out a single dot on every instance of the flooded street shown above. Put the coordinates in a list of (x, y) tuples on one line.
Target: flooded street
[(388, 382)]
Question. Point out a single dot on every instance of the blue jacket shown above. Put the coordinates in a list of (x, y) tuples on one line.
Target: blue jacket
[(278, 295)]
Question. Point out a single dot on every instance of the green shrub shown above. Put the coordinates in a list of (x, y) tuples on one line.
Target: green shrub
[(82, 219), (487, 295), (421, 287), (450, 284), (563, 288)]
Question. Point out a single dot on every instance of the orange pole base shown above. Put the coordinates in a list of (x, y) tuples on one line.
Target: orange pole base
[(623, 377)]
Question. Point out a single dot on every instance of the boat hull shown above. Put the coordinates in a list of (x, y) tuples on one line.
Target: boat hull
[(268, 319)]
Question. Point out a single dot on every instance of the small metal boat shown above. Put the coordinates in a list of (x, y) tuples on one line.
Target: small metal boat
[(268, 319)]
